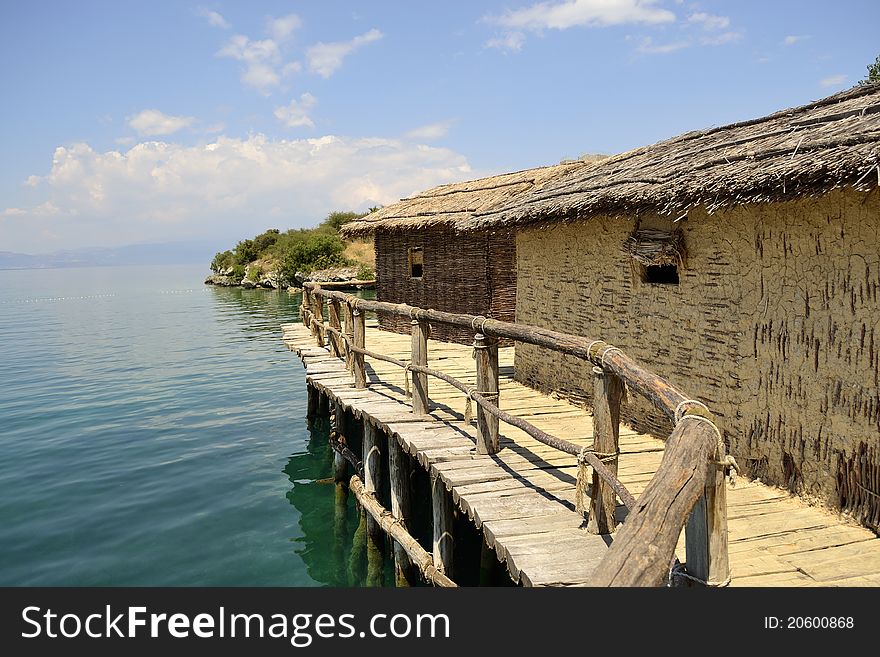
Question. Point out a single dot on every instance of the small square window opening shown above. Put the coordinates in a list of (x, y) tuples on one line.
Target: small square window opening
[(415, 262)]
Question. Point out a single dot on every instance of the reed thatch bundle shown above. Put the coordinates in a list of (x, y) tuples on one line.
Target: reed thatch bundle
[(808, 150)]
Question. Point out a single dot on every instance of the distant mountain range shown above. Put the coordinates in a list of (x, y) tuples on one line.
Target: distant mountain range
[(169, 253)]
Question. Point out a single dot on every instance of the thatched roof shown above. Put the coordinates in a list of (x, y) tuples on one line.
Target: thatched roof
[(809, 150), (452, 205)]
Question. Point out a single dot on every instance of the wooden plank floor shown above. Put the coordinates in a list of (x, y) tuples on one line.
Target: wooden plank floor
[(523, 497)]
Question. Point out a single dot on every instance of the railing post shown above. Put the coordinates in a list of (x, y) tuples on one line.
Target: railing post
[(318, 311), (706, 530), (305, 309), (349, 333), (486, 355), (360, 373), (333, 320), (419, 356), (608, 391), (399, 472), (441, 504)]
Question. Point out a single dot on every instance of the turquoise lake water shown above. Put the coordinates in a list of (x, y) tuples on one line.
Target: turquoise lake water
[(153, 432)]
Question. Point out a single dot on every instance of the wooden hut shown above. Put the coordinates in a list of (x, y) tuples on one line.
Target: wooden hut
[(424, 260), (743, 263)]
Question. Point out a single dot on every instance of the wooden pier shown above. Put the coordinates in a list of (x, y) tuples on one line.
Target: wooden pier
[(521, 493)]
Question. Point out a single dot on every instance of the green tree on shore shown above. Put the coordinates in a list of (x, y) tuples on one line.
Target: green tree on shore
[(873, 75), (295, 250)]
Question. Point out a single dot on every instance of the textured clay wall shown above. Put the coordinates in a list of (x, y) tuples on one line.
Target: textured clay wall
[(775, 325), (465, 273)]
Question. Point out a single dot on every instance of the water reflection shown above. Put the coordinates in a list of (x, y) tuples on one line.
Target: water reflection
[(330, 541)]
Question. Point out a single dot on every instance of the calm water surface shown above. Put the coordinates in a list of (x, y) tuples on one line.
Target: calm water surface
[(153, 432)]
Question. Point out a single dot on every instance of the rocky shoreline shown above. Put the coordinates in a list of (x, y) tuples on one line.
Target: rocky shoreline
[(339, 276)]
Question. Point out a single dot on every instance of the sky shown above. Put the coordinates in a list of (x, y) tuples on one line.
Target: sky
[(138, 122)]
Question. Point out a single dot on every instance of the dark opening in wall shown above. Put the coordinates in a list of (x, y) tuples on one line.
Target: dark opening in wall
[(656, 255), (661, 274), (415, 262)]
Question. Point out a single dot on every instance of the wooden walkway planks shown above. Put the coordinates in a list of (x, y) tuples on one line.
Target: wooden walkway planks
[(523, 497)]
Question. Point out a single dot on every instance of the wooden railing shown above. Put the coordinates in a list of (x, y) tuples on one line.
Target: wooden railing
[(687, 489)]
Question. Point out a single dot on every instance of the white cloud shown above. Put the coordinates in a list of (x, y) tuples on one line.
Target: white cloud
[(429, 132), (296, 114), (511, 41), (152, 122), (33, 181), (214, 19), (583, 13), (158, 191), (834, 80), (794, 38), (721, 39), (648, 47), (214, 128), (291, 68), (325, 58), (281, 28), (260, 59), (709, 21)]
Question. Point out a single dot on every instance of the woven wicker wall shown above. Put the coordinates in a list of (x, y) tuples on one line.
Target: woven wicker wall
[(473, 273), (775, 325)]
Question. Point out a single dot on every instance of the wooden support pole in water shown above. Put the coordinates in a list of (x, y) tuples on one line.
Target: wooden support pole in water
[(360, 328), (372, 460), (608, 391), (399, 472), (706, 529), (486, 355), (356, 563), (312, 395), (333, 320), (340, 477), (419, 356), (419, 557), (441, 504), (340, 465)]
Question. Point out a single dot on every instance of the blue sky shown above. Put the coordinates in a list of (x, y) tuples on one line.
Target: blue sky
[(127, 122)]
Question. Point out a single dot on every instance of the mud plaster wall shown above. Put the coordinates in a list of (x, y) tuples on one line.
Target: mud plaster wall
[(775, 325), (471, 273)]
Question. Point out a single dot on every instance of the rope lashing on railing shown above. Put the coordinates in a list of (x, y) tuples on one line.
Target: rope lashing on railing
[(598, 358), (679, 410), (468, 406), (727, 463), (482, 320), (679, 570), (580, 486), (607, 351)]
